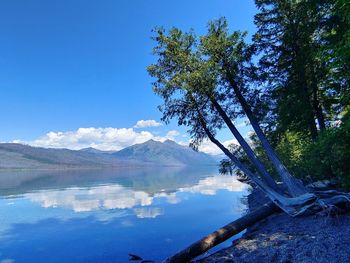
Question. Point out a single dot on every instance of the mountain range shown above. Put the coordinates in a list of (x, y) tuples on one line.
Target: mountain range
[(166, 153), (150, 153)]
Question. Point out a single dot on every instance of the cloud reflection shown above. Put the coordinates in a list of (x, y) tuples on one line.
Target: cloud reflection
[(115, 196), (148, 212), (210, 185)]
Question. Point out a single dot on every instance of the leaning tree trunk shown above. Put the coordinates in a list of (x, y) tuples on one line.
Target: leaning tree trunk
[(251, 155), (291, 205), (295, 188)]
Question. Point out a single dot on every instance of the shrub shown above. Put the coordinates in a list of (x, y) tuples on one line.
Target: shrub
[(329, 156)]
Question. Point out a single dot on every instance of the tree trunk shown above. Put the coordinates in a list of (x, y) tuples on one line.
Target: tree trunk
[(294, 187), (303, 85), (310, 114), (246, 147), (291, 205), (318, 109), (222, 234)]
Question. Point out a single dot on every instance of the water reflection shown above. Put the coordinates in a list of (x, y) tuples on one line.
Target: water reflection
[(101, 216), (149, 179), (115, 196)]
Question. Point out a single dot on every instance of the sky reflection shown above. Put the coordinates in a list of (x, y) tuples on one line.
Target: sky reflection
[(114, 196), (98, 220)]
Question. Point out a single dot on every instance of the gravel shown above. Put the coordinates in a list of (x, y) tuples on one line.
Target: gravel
[(281, 238)]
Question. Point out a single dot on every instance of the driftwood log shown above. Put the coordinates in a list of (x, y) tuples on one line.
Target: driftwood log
[(224, 233)]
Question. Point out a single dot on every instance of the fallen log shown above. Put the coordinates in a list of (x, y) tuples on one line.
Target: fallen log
[(224, 233)]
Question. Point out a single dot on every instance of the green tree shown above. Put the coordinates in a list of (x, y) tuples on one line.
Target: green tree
[(288, 40), (335, 53), (203, 82), (304, 63), (187, 84)]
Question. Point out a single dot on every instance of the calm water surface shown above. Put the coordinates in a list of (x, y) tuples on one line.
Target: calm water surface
[(101, 216)]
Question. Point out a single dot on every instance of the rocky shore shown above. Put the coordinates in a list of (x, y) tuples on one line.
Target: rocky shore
[(281, 238)]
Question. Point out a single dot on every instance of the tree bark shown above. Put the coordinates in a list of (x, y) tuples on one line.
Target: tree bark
[(291, 205), (222, 234), (266, 188), (246, 147), (295, 188)]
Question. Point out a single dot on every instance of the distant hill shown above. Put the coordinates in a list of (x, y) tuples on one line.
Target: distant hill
[(166, 153), (19, 156), (93, 150)]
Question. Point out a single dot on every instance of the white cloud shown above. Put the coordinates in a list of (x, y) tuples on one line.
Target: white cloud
[(242, 124), (172, 133), (108, 139), (147, 123), (210, 148), (228, 142), (114, 139), (183, 143)]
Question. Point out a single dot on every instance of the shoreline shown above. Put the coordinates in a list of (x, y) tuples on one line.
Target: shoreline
[(281, 238)]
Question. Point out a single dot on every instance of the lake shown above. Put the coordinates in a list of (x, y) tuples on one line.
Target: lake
[(102, 215)]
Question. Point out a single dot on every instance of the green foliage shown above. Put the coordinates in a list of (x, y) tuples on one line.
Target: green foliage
[(336, 49), (304, 61), (178, 72), (329, 156), (304, 49), (191, 72), (291, 149), (297, 90)]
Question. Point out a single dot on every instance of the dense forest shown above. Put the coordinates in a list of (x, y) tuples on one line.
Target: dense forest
[(303, 82)]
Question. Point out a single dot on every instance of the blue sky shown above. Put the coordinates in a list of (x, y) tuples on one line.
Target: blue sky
[(66, 65)]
